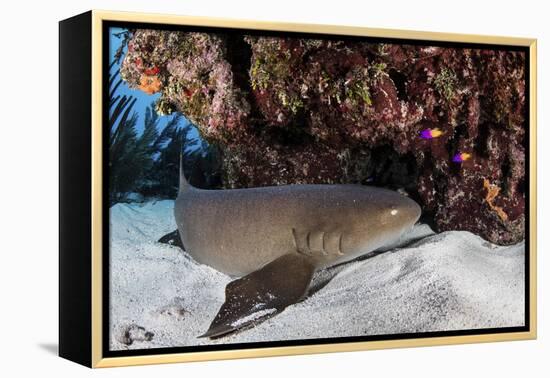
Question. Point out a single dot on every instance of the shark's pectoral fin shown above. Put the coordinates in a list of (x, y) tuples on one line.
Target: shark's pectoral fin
[(173, 238), (263, 293)]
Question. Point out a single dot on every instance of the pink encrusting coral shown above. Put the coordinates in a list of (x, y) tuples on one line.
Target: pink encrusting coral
[(195, 79), (295, 110)]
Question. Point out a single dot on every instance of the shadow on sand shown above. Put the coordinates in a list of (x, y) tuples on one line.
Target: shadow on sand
[(51, 348)]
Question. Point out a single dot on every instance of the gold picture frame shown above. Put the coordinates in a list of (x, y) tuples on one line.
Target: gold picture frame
[(93, 263)]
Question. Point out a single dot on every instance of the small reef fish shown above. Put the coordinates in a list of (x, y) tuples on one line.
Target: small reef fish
[(462, 156), (430, 133)]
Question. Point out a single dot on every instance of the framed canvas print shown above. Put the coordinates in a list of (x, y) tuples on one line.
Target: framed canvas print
[(235, 188)]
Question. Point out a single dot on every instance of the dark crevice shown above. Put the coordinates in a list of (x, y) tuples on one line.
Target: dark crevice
[(439, 186), (239, 54), (480, 144), (392, 170), (460, 132), (292, 135), (521, 186), (399, 80), (505, 169)]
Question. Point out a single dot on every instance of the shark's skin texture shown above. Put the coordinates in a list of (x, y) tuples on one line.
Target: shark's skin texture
[(275, 238), (237, 231)]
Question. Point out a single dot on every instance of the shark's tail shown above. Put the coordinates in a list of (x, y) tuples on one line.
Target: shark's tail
[(184, 184)]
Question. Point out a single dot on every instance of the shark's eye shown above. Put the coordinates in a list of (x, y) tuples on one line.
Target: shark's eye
[(393, 211)]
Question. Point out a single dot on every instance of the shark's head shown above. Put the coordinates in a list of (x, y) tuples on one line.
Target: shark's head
[(397, 212), (380, 217)]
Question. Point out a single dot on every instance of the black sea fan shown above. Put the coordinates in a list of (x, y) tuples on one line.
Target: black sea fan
[(130, 155)]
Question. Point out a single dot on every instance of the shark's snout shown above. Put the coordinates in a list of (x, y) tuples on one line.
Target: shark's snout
[(411, 211), (381, 219), (400, 213)]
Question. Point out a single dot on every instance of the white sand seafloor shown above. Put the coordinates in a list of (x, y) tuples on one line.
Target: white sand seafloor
[(161, 297)]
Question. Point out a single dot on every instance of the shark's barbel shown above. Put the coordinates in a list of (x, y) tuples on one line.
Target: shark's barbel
[(275, 238)]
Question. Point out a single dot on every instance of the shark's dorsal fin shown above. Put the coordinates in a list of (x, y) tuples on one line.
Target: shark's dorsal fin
[(184, 184)]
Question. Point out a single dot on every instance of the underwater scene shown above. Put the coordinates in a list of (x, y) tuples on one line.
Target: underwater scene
[(267, 187)]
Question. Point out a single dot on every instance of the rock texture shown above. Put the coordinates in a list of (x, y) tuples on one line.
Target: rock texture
[(293, 110)]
